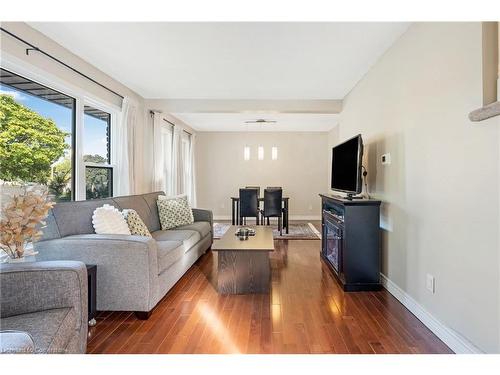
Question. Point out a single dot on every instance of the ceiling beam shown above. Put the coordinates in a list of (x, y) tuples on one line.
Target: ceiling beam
[(331, 106)]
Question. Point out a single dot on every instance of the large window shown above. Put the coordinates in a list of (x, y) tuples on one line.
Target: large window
[(40, 144), (97, 153), (175, 164), (36, 135)]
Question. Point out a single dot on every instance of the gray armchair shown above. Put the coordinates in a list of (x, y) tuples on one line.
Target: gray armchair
[(43, 307)]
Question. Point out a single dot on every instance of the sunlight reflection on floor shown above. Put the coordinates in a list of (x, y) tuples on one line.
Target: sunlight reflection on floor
[(217, 327)]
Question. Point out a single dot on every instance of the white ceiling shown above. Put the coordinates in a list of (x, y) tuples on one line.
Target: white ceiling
[(279, 61), (285, 122)]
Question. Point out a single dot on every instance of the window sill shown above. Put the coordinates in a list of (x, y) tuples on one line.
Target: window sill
[(486, 112)]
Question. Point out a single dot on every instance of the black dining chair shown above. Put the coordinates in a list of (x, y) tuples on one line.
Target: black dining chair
[(273, 206), (256, 188), (249, 205)]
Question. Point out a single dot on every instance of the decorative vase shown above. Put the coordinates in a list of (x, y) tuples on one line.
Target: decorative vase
[(24, 253), (19, 250), (16, 260)]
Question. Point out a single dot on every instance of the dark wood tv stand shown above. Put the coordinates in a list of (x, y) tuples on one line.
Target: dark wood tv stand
[(350, 244)]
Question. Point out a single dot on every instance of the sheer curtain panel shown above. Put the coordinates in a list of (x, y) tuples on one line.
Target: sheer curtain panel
[(124, 149), (159, 182)]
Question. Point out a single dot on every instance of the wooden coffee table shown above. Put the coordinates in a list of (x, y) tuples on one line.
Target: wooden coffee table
[(243, 266)]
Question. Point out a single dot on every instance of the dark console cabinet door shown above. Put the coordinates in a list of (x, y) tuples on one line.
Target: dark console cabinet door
[(358, 248)]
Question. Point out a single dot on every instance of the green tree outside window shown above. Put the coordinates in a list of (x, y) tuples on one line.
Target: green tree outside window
[(29, 143)]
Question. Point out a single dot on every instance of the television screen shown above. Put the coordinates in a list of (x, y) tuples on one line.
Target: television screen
[(346, 166)]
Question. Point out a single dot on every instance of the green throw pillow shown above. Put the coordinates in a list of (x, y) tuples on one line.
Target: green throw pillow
[(135, 223), (174, 211)]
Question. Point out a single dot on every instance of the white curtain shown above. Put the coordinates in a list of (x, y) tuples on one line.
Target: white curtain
[(173, 159), (159, 183), (191, 189), (185, 165), (124, 149), (175, 182)]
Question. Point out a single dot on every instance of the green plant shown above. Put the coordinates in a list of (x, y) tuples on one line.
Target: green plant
[(97, 180), (61, 177), (29, 143)]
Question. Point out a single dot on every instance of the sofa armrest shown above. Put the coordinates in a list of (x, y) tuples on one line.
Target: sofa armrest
[(127, 267), (38, 286), (203, 215), (16, 342)]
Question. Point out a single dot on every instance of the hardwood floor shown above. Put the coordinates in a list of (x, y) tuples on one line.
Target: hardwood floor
[(306, 312)]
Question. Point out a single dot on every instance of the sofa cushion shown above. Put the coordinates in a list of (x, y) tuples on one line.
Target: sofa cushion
[(139, 205), (189, 238), (202, 227), (51, 330), (16, 342), (169, 252), (76, 217), (151, 199), (49, 228)]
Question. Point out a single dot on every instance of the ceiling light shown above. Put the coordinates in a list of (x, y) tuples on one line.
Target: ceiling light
[(274, 153), (260, 153)]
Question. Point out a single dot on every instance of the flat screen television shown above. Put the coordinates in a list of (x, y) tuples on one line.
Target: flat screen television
[(346, 166)]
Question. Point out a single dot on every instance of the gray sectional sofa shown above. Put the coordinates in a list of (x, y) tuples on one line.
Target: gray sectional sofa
[(43, 307), (133, 272)]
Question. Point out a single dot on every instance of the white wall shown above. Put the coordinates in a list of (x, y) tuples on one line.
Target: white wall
[(163, 105), (333, 140), (17, 49), (300, 169), (440, 211)]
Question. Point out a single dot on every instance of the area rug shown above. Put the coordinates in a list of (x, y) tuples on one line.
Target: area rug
[(300, 231)]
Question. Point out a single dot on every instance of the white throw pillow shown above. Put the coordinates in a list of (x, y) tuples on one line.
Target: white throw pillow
[(174, 211), (109, 220)]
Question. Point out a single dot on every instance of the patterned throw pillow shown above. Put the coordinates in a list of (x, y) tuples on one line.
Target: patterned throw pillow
[(135, 223), (174, 211)]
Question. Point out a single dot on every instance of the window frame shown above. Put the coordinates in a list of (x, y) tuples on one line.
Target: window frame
[(82, 98), (73, 123), (111, 146), (101, 166)]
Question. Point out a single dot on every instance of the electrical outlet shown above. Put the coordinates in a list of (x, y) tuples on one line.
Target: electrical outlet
[(430, 283), (310, 207), (222, 205), (386, 159)]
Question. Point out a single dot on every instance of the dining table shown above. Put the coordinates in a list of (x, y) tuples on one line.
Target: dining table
[(235, 211)]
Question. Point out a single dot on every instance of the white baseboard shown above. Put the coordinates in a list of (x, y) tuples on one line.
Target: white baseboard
[(292, 217), (454, 340), (305, 217), (222, 217)]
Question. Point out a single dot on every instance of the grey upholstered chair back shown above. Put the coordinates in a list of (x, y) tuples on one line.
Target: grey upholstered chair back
[(73, 218)]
